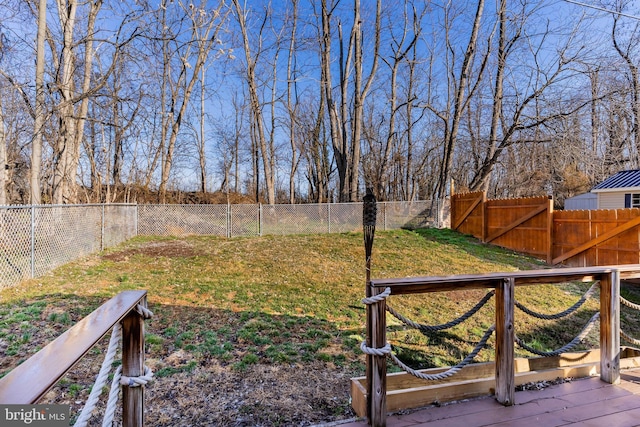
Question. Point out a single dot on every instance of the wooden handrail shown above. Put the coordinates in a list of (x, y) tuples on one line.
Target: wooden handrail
[(412, 285), (28, 382)]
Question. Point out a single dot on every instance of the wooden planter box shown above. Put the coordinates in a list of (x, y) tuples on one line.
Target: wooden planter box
[(405, 391)]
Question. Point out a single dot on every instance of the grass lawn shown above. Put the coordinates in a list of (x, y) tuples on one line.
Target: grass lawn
[(265, 331)]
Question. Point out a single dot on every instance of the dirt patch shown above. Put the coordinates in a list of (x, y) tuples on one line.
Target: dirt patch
[(214, 395), (169, 249), (211, 367), (262, 395)]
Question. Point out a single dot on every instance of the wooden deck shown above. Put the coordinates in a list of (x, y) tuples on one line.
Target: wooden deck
[(582, 402)]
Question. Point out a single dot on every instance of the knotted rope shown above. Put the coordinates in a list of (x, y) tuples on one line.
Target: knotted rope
[(451, 371), (363, 345), (578, 339), (562, 314), (629, 338), (629, 304), (377, 298), (375, 351), (144, 312), (436, 328), (101, 380), (118, 378)]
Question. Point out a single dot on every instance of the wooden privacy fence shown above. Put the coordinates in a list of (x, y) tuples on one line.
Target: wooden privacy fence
[(373, 398), (531, 226), (30, 381)]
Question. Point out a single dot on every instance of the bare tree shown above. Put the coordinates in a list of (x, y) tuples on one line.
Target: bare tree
[(626, 50), (36, 144), (402, 45), (258, 126), (525, 115), (316, 149), (67, 146), (202, 159), (204, 28), (345, 122), (3, 158), (451, 118), (292, 105)]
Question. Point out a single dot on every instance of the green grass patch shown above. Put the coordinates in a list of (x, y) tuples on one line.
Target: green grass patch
[(290, 299), (172, 370)]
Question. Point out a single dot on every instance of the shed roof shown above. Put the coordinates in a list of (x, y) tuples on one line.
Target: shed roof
[(622, 179)]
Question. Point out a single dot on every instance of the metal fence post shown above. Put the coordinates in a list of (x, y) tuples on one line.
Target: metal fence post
[(259, 219), (329, 218), (33, 242), (136, 219), (102, 229), (384, 215), (229, 221)]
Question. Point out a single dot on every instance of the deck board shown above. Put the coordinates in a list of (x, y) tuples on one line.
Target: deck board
[(584, 402)]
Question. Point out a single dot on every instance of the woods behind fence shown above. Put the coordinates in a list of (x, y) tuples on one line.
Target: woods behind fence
[(37, 239)]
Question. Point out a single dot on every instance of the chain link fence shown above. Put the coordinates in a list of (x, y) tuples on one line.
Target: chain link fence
[(36, 239), (259, 220)]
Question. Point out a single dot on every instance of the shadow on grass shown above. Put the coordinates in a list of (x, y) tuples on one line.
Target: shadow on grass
[(212, 366), (476, 248)]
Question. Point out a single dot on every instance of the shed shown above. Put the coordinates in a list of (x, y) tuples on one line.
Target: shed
[(585, 201), (621, 190)]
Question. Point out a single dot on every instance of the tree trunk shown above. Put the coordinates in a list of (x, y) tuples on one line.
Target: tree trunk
[(360, 93), (36, 143), (255, 105), (496, 112), (291, 107), (451, 133), (201, 146), (3, 160), (336, 126)]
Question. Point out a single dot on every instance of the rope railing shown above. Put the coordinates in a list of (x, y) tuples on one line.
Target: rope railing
[(629, 304), (451, 371), (373, 400), (118, 378), (577, 340), (372, 395), (386, 350), (436, 328), (629, 338), (623, 334), (573, 343), (101, 380), (564, 313)]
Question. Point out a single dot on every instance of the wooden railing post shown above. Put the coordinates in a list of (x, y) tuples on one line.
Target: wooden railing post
[(133, 366), (610, 327), (377, 382), (505, 339)]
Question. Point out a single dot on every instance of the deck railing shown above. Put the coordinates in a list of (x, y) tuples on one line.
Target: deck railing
[(30, 381), (504, 285)]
